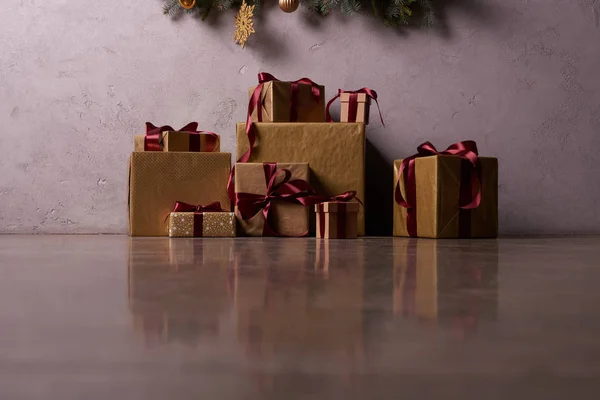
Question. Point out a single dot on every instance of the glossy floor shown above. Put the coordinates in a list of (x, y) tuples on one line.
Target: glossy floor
[(106, 317)]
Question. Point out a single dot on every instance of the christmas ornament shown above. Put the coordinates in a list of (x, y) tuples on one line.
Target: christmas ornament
[(288, 6), (244, 25), (187, 4)]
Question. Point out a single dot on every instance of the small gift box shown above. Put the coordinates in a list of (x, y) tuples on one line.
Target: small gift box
[(187, 139), (337, 220), (201, 221), (448, 194), (355, 107), (277, 101), (267, 198)]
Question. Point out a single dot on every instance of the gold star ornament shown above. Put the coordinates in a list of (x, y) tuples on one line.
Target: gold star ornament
[(244, 25)]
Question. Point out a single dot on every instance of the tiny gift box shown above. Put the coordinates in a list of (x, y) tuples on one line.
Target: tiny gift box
[(355, 107), (337, 220), (201, 221), (187, 139)]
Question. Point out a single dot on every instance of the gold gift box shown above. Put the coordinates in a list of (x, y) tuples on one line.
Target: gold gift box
[(362, 111), (438, 191), (214, 224), (180, 141), (158, 180), (335, 152), (275, 99), (287, 219), (328, 218)]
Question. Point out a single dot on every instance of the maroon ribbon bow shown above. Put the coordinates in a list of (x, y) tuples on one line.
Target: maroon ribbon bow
[(198, 211), (293, 191), (353, 106), (470, 188), (152, 141), (341, 199)]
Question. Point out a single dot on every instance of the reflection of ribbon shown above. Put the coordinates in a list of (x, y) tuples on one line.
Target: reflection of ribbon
[(153, 139), (341, 200), (292, 191), (353, 104), (470, 184), (198, 213)]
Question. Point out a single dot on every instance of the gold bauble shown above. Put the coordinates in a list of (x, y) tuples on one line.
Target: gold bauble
[(187, 4), (288, 6)]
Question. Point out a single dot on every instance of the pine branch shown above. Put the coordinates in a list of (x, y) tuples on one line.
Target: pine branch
[(171, 8)]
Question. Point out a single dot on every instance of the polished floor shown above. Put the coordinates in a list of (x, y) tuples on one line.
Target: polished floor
[(109, 317)]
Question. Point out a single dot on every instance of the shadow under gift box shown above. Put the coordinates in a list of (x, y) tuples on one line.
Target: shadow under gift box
[(438, 183), (287, 219), (181, 142), (158, 180), (447, 283), (334, 151)]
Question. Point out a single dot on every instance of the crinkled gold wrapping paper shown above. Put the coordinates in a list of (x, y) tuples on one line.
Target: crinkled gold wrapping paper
[(438, 190), (275, 101), (214, 224), (157, 180), (287, 219), (179, 142), (334, 151)]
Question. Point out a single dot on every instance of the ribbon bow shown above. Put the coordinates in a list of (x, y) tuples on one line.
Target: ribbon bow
[(354, 102), (466, 150), (153, 139), (293, 191), (180, 206), (341, 198)]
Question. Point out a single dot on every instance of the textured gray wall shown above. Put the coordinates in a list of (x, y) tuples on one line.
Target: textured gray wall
[(78, 79)]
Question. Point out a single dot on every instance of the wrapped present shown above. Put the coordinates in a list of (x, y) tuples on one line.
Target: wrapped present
[(268, 198), (447, 194), (187, 139), (276, 101), (337, 217), (201, 221), (335, 152), (457, 291), (158, 180), (355, 105)]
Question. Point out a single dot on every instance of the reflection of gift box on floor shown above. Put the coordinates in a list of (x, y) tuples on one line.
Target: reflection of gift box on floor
[(435, 281), (334, 151)]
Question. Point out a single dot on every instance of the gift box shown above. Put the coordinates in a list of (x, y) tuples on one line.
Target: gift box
[(442, 284), (335, 152), (443, 190), (182, 141), (337, 220), (202, 224), (253, 191), (158, 180), (355, 107), (299, 101)]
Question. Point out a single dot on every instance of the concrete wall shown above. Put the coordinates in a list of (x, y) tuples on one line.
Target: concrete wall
[(78, 79)]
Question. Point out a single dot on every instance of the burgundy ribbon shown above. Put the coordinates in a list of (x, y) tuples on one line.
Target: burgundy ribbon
[(152, 141), (254, 103), (288, 190), (341, 199), (353, 106), (198, 213), (470, 189)]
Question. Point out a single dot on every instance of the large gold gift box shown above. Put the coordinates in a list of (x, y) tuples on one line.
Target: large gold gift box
[(158, 180), (438, 282), (438, 180), (275, 100), (180, 141), (335, 152), (287, 219)]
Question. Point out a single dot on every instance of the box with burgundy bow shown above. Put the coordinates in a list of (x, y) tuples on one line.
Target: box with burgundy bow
[(338, 219), (187, 139), (273, 100), (448, 194), (355, 105)]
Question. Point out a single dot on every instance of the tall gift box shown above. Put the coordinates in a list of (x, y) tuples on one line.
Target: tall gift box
[(278, 101), (158, 180), (441, 191), (335, 152), (284, 218)]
